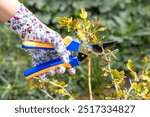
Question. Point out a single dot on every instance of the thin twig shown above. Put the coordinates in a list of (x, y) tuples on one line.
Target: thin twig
[(57, 85), (112, 77), (47, 94), (108, 59), (89, 78), (129, 90)]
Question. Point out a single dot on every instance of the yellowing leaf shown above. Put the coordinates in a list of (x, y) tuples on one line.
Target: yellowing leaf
[(118, 74), (104, 68), (95, 39), (9, 86), (70, 98), (87, 24), (105, 74), (146, 78), (83, 13), (31, 84), (68, 22), (112, 54), (148, 74), (134, 86), (102, 29), (130, 65), (143, 94), (121, 94), (145, 60), (81, 35), (96, 22), (134, 74), (63, 21), (62, 92), (62, 83)]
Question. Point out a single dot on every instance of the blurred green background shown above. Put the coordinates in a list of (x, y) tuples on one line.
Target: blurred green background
[(128, 22)]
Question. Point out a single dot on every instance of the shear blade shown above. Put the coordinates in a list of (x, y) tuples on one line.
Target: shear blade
[(96, 48), (81, 56)]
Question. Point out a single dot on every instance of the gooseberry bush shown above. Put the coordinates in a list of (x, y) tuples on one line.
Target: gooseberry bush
[(120, 85)]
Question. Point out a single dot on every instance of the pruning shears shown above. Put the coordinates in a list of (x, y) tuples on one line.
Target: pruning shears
[(72, 45)]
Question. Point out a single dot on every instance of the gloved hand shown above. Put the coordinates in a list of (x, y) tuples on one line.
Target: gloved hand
[(28, 26)]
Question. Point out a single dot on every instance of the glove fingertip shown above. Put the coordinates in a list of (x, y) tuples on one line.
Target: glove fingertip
[(72, 71), (43, 77), (60, 70), (51, 73)]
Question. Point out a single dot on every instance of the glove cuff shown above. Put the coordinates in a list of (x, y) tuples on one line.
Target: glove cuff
[(22, 20)]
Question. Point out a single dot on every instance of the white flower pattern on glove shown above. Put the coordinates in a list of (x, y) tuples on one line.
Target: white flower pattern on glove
[(28, 26)]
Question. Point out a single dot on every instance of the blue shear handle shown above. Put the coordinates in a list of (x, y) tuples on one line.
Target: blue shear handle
[(71, 45), (45, 67)]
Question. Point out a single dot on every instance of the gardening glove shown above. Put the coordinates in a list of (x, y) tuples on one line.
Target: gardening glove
[(28, 27)]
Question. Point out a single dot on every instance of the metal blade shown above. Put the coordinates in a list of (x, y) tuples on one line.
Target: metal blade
[(81, 56), (96, 48)]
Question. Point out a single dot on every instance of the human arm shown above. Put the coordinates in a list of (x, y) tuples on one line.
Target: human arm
[(8, 8), (27, 25)]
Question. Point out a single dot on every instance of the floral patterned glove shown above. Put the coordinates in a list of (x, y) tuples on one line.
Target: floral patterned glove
[(28, 26)]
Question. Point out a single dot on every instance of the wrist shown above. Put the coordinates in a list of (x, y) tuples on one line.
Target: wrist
[(8, 8)]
